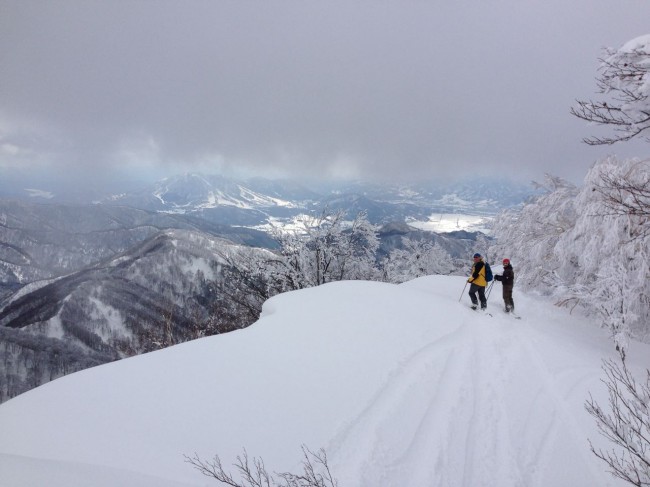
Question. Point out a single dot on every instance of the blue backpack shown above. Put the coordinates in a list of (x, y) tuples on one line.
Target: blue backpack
[(488, 273)]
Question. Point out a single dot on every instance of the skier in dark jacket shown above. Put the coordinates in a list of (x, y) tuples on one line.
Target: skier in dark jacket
[(507, 281), (477, 283)]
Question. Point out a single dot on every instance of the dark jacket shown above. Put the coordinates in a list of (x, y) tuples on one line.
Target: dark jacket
[(508, 276)]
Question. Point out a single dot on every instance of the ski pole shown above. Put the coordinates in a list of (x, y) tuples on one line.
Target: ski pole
[(461, 294), (489, 290)]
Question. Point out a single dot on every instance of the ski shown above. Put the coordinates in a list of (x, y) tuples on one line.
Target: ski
[(481, 310)]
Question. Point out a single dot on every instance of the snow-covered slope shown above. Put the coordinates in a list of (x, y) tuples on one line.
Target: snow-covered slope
[(198, 191), (402, 385)]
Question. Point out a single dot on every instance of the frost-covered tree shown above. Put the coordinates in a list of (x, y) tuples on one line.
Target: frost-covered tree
[(615, 245), (627, 193), (416, 258), (327, 248), (528, 235), (356, 258), (571, 245), (624, 82), (606, 255), (324, 249)]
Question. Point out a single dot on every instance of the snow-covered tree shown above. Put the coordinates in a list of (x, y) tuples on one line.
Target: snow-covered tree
[(323, 249), (611, 259), (571, 245), (417, 258), (529, 235), (624, 82), (614, 253), (627, 193), (327, 248)]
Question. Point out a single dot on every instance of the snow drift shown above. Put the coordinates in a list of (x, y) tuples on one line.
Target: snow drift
[(401, 384)]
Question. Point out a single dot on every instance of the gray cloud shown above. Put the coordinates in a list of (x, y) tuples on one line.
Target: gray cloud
[(408, 89)]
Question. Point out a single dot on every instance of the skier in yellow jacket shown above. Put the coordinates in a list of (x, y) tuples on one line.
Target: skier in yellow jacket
[(477, 283)]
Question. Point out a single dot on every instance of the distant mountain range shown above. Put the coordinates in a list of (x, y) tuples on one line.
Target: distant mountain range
[(257, 201)]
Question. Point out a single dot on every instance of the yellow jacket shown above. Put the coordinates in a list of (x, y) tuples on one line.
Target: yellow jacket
[(478, 274)]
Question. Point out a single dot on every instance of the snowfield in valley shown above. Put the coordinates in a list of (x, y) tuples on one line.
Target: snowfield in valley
[(402, 385)]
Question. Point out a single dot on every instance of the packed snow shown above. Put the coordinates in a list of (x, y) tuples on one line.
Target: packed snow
[(402, 385)]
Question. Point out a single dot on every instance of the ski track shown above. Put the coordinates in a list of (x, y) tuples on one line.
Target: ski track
[(370, 445), (455, 409)]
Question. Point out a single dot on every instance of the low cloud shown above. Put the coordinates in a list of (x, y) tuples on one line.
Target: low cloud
[(404, 90)]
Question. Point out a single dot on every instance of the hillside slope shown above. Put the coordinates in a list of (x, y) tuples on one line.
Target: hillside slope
[(158, 293), (402, 385), (46, 241)]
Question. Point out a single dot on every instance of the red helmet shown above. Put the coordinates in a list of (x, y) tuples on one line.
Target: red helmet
[(506, 261)]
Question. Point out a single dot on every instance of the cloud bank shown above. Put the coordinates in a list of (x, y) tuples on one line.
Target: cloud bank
[(374, 90)]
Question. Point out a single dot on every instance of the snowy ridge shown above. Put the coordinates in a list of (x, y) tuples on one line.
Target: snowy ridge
[(401, 384), (28, 288)]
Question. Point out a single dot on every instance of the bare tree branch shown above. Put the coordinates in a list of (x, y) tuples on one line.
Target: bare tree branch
[(623, 78), (316, 471), (626, 425)]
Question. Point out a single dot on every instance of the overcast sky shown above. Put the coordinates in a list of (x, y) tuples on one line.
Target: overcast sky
[(365, 89)]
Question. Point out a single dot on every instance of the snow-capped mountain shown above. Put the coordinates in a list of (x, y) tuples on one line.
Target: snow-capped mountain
[(194, 191)]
